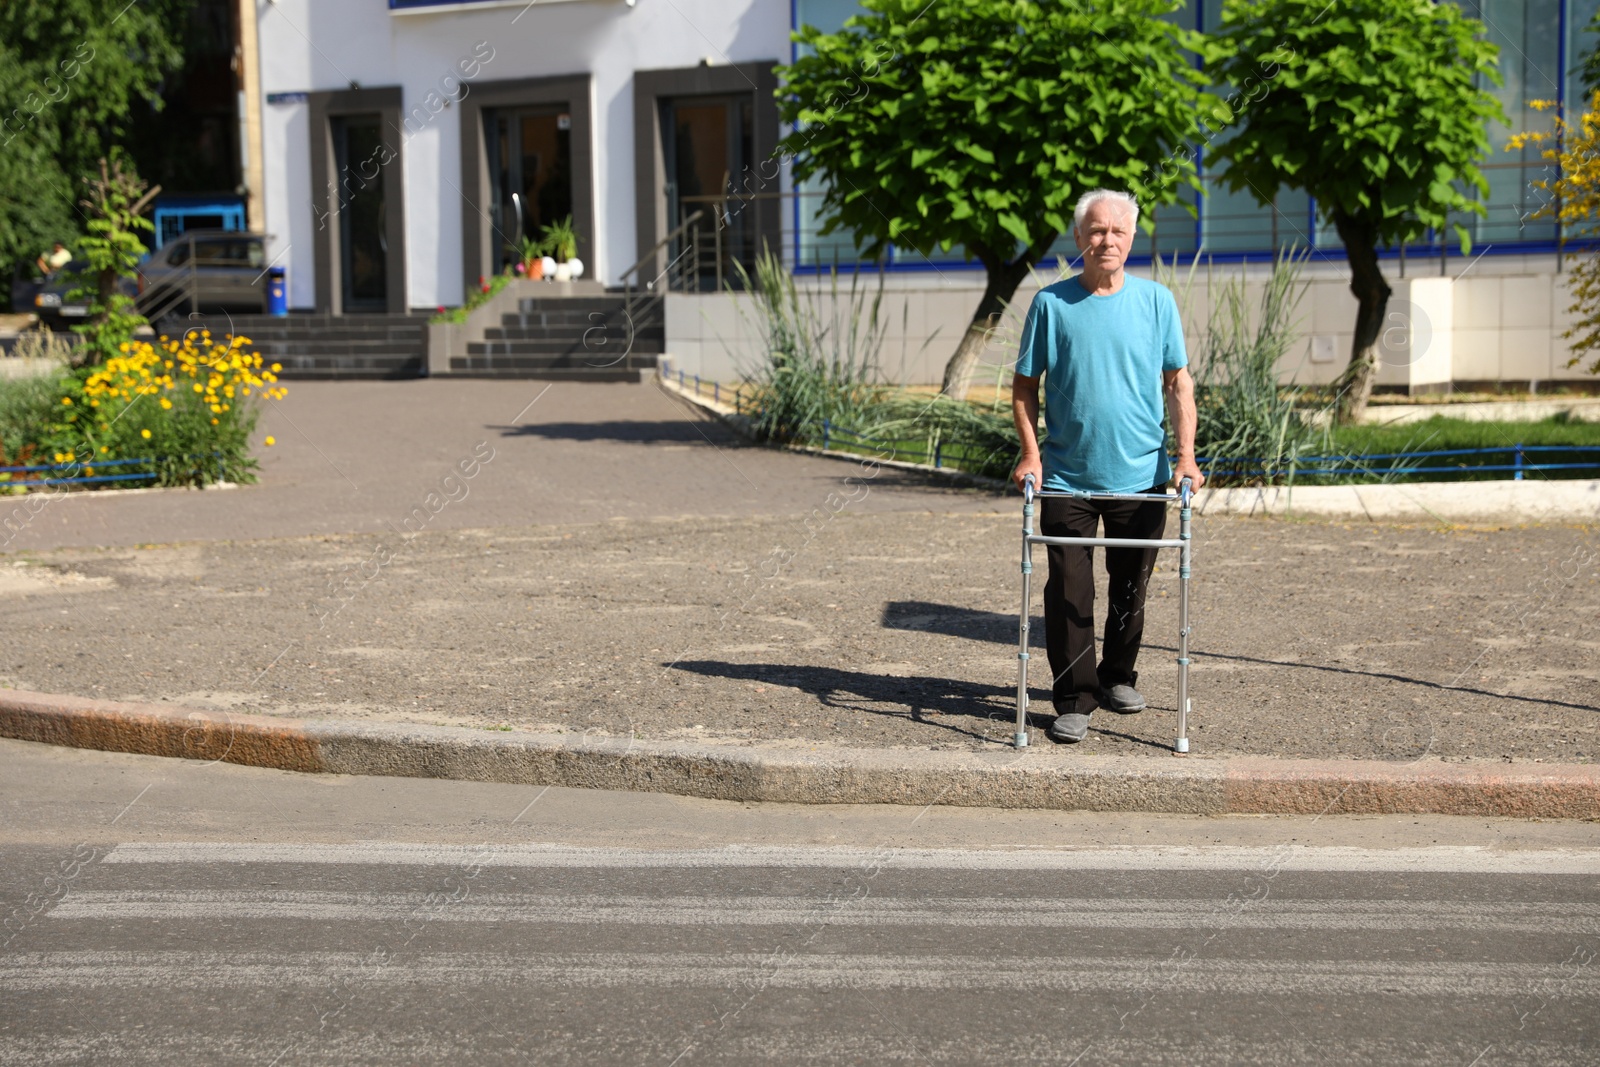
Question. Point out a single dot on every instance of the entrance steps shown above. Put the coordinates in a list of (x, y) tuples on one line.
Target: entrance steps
[(591, 338), (337, 346)]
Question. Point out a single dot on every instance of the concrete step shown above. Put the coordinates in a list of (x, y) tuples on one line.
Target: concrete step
[(338, 346), (570, 360), (460, 368), (576, 346), (611, 333)]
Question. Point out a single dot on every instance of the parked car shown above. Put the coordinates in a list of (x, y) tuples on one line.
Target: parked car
[(52, 299), (205, 271)]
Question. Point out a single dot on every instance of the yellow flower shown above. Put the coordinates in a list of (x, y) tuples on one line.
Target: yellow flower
[(67, 400), (145, 434), (271, 440), (166, 405)]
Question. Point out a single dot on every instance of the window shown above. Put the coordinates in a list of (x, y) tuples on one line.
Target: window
[(1535, 37)]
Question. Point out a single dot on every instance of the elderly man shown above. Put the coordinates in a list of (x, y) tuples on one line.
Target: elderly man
[(1108, 346)]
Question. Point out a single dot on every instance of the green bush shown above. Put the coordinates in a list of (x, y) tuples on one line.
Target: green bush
[(187, 408)]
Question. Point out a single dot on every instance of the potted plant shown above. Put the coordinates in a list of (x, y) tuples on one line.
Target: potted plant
[(530, 253), (561, 242)]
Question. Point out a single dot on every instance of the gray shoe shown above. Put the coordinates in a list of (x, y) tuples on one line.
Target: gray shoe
[(1122, 699), (1071, 728)]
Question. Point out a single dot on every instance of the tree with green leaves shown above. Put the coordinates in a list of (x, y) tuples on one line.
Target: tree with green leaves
[(71, 75), (1375, 109), (977, 124), (115, 210), (1589, 64)]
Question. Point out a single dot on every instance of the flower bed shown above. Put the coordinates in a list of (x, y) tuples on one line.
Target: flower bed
[(179, 412)]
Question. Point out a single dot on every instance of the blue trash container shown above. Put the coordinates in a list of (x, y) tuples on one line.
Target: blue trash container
[(277, 292)]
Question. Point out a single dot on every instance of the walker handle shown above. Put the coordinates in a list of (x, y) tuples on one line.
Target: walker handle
[(1027, 488), (1186, 490)]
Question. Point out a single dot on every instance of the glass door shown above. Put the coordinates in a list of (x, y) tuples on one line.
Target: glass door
[(359, 154), (530, 171), (707, 144)]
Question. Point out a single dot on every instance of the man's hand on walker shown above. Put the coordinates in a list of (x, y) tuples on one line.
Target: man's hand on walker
[(1188, 468), (1029, 464)]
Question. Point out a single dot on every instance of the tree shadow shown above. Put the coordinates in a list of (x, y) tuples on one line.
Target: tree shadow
[(630, 431)]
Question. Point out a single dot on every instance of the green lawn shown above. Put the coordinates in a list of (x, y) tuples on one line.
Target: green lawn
[(1440, 433)]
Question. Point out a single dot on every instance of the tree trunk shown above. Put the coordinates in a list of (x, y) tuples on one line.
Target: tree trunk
[(106, 288), (1372, 297), (1000, 285)]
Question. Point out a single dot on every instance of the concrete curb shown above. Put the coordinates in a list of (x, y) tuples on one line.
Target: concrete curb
[(1034, 778), (1533, 499)]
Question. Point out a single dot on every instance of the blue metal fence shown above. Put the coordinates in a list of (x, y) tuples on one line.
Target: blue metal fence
[(1522, 458), (150, 461), (1406, 464)]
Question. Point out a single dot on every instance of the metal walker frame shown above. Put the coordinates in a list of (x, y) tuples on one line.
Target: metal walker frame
[(1184, 497)]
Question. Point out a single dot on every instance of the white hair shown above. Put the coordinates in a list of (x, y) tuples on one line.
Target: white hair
[(1094, 196)]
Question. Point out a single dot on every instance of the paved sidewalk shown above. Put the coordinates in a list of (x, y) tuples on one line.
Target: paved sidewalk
[(886, 630), (357, 456), (726, 595)]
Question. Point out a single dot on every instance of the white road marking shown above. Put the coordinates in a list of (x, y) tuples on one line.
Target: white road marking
[(102, 905), (1442, 860), (1229, 977)]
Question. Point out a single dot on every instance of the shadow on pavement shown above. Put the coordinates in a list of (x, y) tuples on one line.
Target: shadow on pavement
[(643, 432), (976, 625), (973, 624), (920, 696)]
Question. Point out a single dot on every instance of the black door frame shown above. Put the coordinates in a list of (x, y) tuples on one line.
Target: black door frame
[(514, 165), (326, 193), (759, 82), (571, 90)]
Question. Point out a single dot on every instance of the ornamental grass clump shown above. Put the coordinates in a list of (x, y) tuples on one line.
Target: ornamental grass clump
[(186, 407), (820, 358), (1250, 429)]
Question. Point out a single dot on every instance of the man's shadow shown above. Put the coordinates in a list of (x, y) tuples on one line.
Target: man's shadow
[(999, 628), (913, 697)]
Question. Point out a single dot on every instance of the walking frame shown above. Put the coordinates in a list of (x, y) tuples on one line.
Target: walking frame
[(1184, 496)]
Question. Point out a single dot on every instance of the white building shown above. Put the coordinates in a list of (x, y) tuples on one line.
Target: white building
[(406, 144)]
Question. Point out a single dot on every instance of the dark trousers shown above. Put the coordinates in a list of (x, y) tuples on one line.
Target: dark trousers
[(1069, 594)]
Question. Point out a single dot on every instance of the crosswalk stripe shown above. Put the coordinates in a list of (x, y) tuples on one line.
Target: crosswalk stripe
[(1232, 977), (1443, 859), (481, 907)]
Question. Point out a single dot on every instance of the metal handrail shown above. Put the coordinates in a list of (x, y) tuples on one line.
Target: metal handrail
[(630, 277)]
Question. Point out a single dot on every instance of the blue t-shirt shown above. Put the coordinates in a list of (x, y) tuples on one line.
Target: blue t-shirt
[(1102, 358)]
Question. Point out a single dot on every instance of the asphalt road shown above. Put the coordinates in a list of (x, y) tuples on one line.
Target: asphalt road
[(178, 912)]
